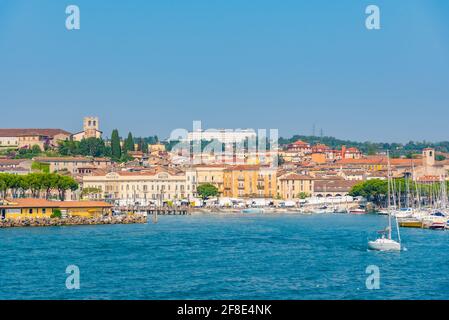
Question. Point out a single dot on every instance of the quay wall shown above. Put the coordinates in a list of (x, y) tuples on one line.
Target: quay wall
[(71, 221)]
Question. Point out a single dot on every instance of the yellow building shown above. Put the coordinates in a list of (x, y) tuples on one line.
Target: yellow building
[(41, 208), (290, 186), (249, 181), (318, 157), (156, 148), (212, 174)]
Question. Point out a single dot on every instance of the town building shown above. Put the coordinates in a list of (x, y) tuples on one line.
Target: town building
[(156, 148), (91, 129), (250, 181), (27, 138), (74, 165), (15, 166), (201, 174), (299, 147), (429, 166), (333, 188), (292, 186), (9, 164), (142, 187), (350, 153), (41, 208)]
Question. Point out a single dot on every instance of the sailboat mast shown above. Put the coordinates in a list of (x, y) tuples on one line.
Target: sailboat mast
[(389, 211)]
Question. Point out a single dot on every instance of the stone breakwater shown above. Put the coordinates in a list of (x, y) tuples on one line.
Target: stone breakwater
[(71, 221)]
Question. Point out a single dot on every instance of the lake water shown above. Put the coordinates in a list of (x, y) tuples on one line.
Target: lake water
[(223, 257)]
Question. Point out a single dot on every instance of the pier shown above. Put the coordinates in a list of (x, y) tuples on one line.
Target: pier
[(164, 210)]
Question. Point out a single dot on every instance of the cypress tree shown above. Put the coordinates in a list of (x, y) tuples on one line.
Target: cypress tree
[(116, 151), (139, 142), (145, 146), (129, 143)]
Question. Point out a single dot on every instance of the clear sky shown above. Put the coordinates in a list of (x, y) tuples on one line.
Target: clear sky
[(153, 66)]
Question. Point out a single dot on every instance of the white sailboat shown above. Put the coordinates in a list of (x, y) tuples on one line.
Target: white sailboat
[(386, 242)]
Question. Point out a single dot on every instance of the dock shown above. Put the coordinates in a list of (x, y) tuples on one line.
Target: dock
[(152, 210)]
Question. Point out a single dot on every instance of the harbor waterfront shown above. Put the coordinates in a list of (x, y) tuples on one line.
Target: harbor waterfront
[(223, 256)]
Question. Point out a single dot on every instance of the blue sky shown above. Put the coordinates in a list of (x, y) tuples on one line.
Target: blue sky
[(153, 66)]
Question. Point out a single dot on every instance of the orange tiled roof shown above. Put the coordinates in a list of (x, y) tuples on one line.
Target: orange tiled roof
[(380, 160), (244, 167), (70, 159), (300, 143), (31, 132), (295, 176), (63, 159)]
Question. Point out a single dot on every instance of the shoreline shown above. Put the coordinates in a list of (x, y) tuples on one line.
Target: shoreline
[(72, 221), (142, 219)]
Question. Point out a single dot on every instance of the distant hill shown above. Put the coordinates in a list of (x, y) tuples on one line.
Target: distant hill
[(396, 149)]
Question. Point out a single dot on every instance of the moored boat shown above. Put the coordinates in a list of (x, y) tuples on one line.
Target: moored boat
[(403, 213), (357, 211), (438, 225)]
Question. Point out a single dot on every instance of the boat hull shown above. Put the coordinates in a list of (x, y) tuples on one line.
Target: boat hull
[(438, 226), (357, 212), (384, 245)]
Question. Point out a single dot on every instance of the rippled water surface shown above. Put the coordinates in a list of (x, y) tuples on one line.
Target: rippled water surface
[(223, 257)]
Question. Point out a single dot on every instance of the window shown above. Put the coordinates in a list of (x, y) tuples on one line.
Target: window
[(30, 211), (44, 211)]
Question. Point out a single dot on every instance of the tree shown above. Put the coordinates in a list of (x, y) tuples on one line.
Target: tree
[(207, 190), (3, 188), (56, 214), (42, 167), (26, 153), (69, 148), (94, 147), (139, 142), (36, 149), (126, 157), (49, 182), (65, 183), (90, 191), (129, 143), (303, 195), (36, 183), (144, 146), (281, 160), (373, 190), (116, 150)]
